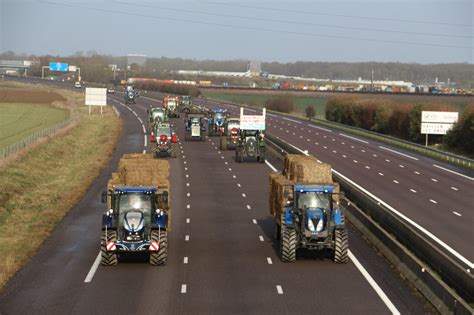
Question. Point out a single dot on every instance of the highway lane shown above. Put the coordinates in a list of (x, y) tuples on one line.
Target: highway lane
[(217, 262), (438, 200)]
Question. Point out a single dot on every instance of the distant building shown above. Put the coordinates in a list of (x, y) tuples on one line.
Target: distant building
[(255, 68), (137, 59)]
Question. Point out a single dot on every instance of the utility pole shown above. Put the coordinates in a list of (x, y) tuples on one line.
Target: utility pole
[(372, 80)]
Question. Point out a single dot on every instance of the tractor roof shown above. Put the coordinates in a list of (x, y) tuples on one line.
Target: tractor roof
[(315, 188), (217, 110), (128, 189)]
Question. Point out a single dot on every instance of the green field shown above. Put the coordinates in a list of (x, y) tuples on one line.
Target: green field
[(20, 120), (319, 103)]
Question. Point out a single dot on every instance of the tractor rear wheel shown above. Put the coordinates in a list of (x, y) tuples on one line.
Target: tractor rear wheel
[(341, 246), (108, 258), (276, 231), (174, 150), (239, 152), (159, 257), (223, 143), (288, 244)]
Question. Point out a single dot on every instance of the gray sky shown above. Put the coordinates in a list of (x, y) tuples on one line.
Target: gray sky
[(420, 31)]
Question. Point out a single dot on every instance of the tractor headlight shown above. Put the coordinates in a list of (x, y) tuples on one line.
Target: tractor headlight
[(319, 227), (310, 225)]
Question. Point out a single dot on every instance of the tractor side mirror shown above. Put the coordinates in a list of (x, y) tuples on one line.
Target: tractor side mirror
[(104, 197), (147, 111)]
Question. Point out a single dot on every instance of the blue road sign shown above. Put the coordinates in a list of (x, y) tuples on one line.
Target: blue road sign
[(58, 66)]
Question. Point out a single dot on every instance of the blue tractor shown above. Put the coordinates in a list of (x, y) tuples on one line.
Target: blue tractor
[(216, 121), (306, 217), (137, 222)]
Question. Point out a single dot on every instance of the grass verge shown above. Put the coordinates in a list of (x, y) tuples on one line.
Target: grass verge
[(40, 187)]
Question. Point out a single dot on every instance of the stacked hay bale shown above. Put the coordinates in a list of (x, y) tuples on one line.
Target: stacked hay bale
[(141, 170), (299, 169)]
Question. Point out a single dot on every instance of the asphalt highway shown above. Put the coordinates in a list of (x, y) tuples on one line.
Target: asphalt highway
[(435, 197), (222, 258)]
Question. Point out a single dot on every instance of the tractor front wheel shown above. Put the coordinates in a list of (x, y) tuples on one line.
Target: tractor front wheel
[(341, 246), (159, 257), (108, 258), (174, 150)]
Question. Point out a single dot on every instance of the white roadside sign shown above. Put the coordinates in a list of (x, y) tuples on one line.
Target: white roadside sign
[(96, 96), (252, 122), (439, 117), (72, 68), (435, 128)]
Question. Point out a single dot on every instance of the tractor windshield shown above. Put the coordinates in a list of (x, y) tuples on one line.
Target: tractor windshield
[(134, 201), (233, 124), (312, 200), (163, 131), (251, 133)]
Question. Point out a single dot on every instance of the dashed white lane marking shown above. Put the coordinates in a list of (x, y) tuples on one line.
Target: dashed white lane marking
[(185, 168), (185, 260), (334, 151), (363, 151), (301, 137), (226, 163), (140, 120), (374, 155), (387, 160), (188, 206), (344, 156), (134, 113), (381, 174), (367, 167), (249, 207), (416, 172), (188, 194), (325, 147), (434, 180), (234, 176), (238, 185), (454, 188), (230, 170), (401, 166), (374, 284), (184, 162), (269, 261), (144, 130), (412, 190), (353, 138), (333, 139), (453, 172), (352, 147), (187, 184), (188, 220), (316, 143), (433, 201), (321, 128), (222, 157), (186, 238), (93, 269), (396, 181), (399, 153), (355, 161), (279, 289), (292, 120), (271, 166), (254, 221), (261, 238), (144, 141), (187, 175), (308, 139), (184, 288), (243, 195), (457, 213), (218, 152)]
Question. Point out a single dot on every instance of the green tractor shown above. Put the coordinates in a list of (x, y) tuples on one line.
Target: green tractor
[(156, 115), (250, 144), (185, 104), (163, 141)]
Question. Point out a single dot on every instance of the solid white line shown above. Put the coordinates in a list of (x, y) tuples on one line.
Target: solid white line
[(145, 143), (185, 260), (374, 284), (186, 238), (416, 225), (254, 221), (313, 126), (273, 168), (457, 213), (144, 130), (433, 201), (261, 238), (140, 120), (448, 170), (93, 269), (353, 138), (399, 153), (279, 289), (269, 261), (292, 120), (134, 113), (184, 288)]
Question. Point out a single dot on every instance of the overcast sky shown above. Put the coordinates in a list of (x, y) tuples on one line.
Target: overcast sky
[(422, 31)]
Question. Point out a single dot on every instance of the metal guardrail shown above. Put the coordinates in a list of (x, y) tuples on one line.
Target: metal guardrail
[(447, 268), (32, 138)]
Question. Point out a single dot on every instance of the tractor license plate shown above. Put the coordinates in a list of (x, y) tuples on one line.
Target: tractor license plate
[(195, 131)]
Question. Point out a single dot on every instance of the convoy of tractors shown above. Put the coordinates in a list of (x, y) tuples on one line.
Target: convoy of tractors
[(303, 199)]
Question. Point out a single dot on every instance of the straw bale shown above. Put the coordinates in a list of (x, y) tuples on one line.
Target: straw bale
[(306, 169)]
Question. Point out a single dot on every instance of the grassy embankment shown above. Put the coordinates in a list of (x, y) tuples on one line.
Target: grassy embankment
[(40, 187)]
